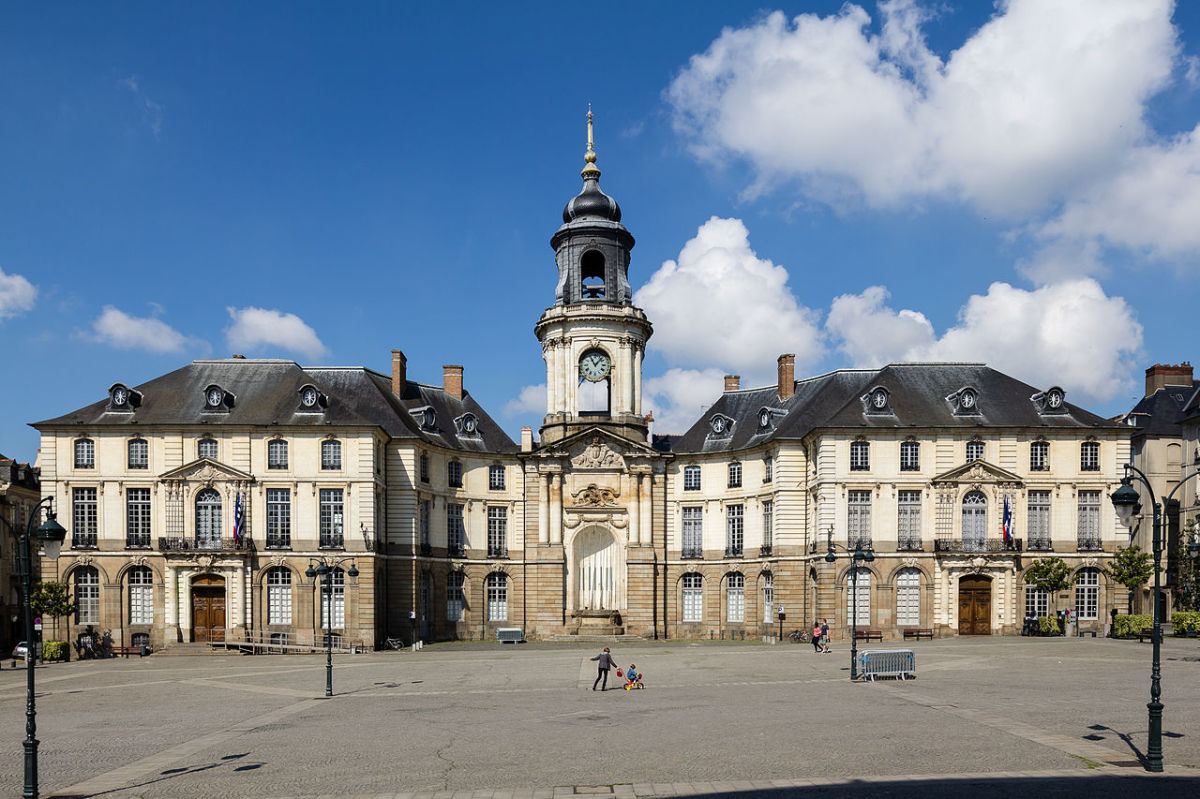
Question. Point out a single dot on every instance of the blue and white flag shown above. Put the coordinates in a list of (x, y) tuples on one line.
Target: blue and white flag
[(1006, 525), (239, 520)]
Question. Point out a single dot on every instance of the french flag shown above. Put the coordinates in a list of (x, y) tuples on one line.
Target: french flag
[(239, 520), (1006, 525)]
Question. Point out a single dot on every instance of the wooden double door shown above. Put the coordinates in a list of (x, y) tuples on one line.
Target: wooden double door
[(208, 609), (975, 605)]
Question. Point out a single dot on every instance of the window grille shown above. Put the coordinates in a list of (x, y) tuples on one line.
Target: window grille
[(331, 455), (336, 598), (87, 595), (277, 454), (1039, 520), (1039, 456), (454, 474), (691, 478), (331, 518), (206, 448), (735, 598), (858, 519), (693, 597), (86, 527), (858, 599), (141, 595), (693, 532), (85, 454), (1089, 520), (137, 517), (860, 456), (497, 596), (454, 597), (1087, 594), (455, 534), (279, 518), (279, 595), (735, 475), (908, 597), (1089, 456), (908, 521), (497, 517), (974, 451), (496, 478), (734, 531), (910, 456), (139, 454)]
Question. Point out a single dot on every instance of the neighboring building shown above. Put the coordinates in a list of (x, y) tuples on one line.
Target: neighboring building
[(597, 528), (1157, 449), (1189, 495), (19, 493)]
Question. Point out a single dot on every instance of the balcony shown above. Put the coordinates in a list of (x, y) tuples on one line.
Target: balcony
[(909, 545), (331, 542), (497, 552), (1040, 544), (279, 542), (456, 551), (1089, 544), (733, 551), (765, 551), (998, 545), (692, 553), (184, 544), (83, 541), (137, 542), (853, 542)]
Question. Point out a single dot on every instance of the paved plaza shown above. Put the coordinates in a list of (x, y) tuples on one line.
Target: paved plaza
[(991, 716)]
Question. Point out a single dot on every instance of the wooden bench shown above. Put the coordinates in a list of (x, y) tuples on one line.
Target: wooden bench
[(918, 634), (1144, 634), (868, 635), (127, 651)]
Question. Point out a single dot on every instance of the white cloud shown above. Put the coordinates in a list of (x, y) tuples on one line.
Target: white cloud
[(720, 305), (17, 295), (119, 329), (680, 396), (152, 112), (258, 329), (532, 399), (1070, 334)]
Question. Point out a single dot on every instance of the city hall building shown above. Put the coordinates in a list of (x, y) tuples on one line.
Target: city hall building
[(197, 502)]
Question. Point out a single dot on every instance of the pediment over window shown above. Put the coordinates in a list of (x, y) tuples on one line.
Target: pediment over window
[(206, 471), (977, 472)]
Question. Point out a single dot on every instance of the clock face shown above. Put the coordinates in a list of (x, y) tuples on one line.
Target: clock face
[(879, 398), (214, 397), (120, 396), (594, 365), (309, 397), (469, 424), (764, 418), (1054, 399), (968, 399), (718, 424)]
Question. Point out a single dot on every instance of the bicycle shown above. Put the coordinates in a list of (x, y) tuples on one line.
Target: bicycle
[(798, 637)]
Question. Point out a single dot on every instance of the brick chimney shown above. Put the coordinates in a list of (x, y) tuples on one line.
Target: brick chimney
[(787, 375), (1162, 374), (452, 380), (399, 372), (733, 382), (526, 439)]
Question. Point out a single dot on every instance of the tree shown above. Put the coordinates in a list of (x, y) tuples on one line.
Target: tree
[(1049, 574), (51, 599), (1130, 567), (1185, 586)]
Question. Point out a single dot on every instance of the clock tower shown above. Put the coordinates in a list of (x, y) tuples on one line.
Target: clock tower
[(593, 338)]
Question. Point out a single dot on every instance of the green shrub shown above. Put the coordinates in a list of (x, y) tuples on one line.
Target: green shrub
[(1185, 621), (1048, 625), (1130, 625), (54, 650)]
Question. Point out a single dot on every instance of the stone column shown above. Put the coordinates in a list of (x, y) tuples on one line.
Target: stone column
[(549, 353), (185, 605), (646, 488), (543, 508), (635, 509), (637, 379), (556, 505), (170, 605)]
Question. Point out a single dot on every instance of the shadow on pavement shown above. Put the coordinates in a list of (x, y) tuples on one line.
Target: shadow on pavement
[(1092, 786)]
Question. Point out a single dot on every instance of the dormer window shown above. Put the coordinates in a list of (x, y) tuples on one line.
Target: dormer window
[(878, 400), (467, 425), (722, 425), (965, 401), (122, 398), (312, 400), (425, 417), (217, 399), (1052, 400)]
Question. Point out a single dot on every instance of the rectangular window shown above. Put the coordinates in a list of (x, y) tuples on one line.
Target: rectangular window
[(858, 612), (86, 527), (693, 532), (137, 517), (768, 469), (768, 597), (768, 523), (910, 456), (424, 461), (1089, 520), (860, 456), (691, 478), (455, 534), (87, 596), (497, 532), (426, 511), (1089, 456), (454, 597), (1039, 456), (331, 455), (974, 451), (735, 475), (331, 518), (908, 521), (279, 518), (496, 478), (497, 597), (1037, 602), (734, 530), (858, 519), (735, 599), (206, 448), (279, 596), (141, 595), (277, 454), (908, 598), (139, 454), (1087, 594), (693, 598), (454, 474), (336, 599), (85, 454), (1039, 520)]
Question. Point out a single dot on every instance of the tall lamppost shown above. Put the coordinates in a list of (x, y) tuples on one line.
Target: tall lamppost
[(325, 569), (858, 556), (1125, 500), (50, 534)]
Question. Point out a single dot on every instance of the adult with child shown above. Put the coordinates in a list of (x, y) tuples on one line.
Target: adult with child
[(605, 662)]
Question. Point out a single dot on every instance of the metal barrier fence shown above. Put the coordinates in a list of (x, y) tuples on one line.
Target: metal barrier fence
[(900, 663)]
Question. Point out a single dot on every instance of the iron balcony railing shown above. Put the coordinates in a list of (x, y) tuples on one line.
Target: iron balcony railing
[(694, 553), (853, 542), (1040, 544), (457, 551), (279, 542), (137, 541), (330, 541), (497, 552), (83, 541), (977, 545), (909, 545), (1089, 544), (733, 551), (764, 551), (426, 548), (185, 544)]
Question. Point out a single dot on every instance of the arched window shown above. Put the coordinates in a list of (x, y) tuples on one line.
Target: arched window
[(206, 448), (735, 475), (768, 596), (1087, 594), (279, 595), (85, 454), (691, 478), (860, 456), (974, 522), (974, 451), (1089, 456), (497, 596), (858, 597), (277, 454), (337, 599), (1039, 456), (735, 598), (910, 456), (331, 454), (454, 597), (139, 454), (908, 597), (87, 595), (208, 519), (454, 474), (141, 595), (591, 275), (693, 597)]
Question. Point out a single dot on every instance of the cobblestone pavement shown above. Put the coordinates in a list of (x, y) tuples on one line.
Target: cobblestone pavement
[(993, 716)]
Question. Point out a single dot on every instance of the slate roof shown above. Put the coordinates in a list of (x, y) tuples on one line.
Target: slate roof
[(1160, 413), (266, 393), (917, 392)]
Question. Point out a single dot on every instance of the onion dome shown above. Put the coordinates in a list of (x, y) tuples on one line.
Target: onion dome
[(591, 203)]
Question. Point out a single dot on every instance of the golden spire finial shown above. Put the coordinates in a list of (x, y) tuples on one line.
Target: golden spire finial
[(591, 170)]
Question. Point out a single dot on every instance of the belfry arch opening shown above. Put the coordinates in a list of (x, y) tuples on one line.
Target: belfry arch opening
[(591, 275)]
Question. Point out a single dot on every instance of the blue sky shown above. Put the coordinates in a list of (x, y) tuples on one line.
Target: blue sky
[(857, 184)]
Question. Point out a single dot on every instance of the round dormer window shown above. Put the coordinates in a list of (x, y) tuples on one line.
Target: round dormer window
[(967, 399)]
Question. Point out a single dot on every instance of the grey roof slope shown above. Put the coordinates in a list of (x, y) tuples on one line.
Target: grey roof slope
[(266, 392), (917, 398), (1161, 413)]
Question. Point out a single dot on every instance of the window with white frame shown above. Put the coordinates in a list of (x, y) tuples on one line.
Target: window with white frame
[(141, 595), (454, 597), (424, 467), (768, 468), (455, 533), (207, 448), (693, 532), (735, 598), (86, 517), (768, 533), (910, 456), (691, 478), (858, 518), (1037, 601), (277, 454), (734, 531), (496, 478), (735, 475), (768, 596), (908, 520), (908, 597), (332, 521), (497, 526), (974, 522), (454, 474), (139, 453), (1039, 456), (137, 517), (1089, 519), (335, 599), (1087, 594), (85, 454), (426, 511), (1038, 519), (87, 595), (331, 454), (693, 597), (1089, 456), (858, 596), (974, 451), (279, 595), (497, 596), (208, 518), (860, 456), (279, 518)]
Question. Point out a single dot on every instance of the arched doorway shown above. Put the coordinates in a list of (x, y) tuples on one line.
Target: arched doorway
[(975, 605), (596, 572), (208, 608)]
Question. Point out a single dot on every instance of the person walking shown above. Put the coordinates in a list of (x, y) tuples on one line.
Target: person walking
[(816, 637), (825, 650), (605, 662)]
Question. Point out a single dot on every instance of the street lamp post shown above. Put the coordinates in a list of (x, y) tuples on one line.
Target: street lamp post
[(325, 569), (858, 556), (1125, 500), (51, 534)]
